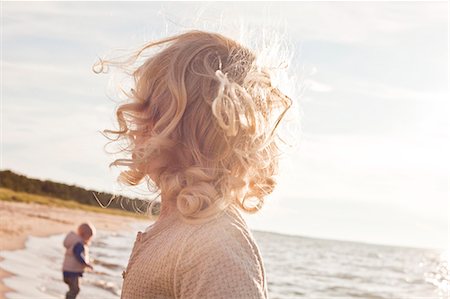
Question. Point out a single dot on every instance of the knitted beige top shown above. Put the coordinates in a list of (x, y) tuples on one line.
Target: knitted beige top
[(216, 259)]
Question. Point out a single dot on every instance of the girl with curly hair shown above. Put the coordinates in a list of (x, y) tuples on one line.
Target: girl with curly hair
[(200, 127)]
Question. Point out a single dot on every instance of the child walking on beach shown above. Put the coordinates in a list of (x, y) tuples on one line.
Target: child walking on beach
[(76, 258), (200, 126)]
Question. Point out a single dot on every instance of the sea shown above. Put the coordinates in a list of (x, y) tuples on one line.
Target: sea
[(296, 267)]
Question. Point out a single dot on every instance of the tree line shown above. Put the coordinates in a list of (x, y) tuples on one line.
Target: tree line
[(21, 183)]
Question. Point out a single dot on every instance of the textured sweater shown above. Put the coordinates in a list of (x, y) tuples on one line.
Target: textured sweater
[(216, 259)]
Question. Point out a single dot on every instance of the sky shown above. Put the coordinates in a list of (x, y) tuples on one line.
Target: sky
[(369, 160)]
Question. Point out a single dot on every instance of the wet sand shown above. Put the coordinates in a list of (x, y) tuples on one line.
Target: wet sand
[(18, 221)]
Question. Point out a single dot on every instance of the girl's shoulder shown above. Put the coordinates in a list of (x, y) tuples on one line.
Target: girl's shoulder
[(226, 232)]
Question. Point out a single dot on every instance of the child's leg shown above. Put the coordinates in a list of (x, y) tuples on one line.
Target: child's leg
[(74, 287)]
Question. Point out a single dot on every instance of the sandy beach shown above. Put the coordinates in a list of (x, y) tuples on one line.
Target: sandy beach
[(18, 221)]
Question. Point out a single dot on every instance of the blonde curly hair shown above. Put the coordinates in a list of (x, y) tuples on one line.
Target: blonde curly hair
[(200, 124)]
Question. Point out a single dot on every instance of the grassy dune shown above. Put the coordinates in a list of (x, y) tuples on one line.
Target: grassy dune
[(10, 195)]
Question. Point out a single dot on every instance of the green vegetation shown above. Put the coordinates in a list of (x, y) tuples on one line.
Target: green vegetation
[(15, 187), (10, 195)]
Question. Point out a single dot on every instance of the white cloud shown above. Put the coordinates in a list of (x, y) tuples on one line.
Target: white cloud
[(379, 23), (382, 90), (316, 86)]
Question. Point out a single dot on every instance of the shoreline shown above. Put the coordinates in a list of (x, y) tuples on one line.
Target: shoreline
[(21, 220)]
